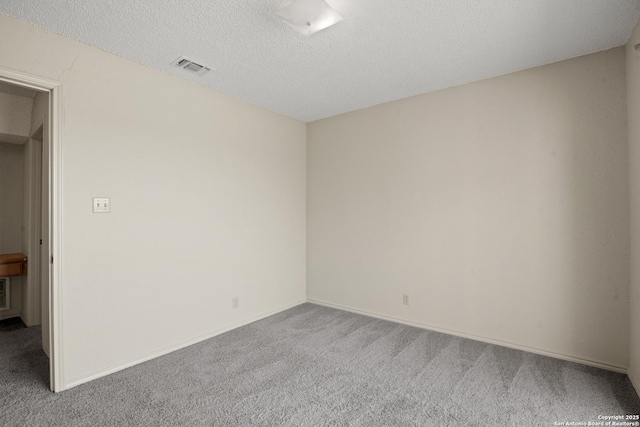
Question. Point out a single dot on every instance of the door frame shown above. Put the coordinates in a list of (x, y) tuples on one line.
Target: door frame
[(54, 191)]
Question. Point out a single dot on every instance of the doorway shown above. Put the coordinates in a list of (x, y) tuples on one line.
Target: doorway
[(40, 228)]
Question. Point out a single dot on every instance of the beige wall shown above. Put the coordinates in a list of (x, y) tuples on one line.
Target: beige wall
[(633, 104), (11, 158), (40, 106), (35, 302), (31, 292), (15, 118), (207, 203), (30, 313), (500, 207)]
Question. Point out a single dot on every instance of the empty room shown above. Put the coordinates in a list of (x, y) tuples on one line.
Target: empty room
[(310, 213)]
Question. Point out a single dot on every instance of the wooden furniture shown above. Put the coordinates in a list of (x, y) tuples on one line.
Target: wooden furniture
[(13, 265)]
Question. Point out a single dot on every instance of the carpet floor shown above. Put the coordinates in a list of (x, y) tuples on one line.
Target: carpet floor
[(11, 324), (317, 366)]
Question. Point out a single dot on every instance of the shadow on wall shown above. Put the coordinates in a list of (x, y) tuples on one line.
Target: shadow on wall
[(596, 295)]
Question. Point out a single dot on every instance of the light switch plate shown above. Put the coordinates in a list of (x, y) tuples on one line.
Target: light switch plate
[(101, 205)]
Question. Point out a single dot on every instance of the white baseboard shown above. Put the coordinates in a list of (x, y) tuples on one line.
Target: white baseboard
[(587, 362), (634, 383), (104, 372)]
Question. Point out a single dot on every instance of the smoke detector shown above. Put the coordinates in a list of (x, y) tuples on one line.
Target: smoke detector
[(190, 65)]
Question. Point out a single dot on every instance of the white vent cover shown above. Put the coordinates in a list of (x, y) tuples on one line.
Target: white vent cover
[(188, 64), (5, 294)]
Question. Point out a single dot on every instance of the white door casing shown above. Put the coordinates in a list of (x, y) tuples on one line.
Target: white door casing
[(52, 216)]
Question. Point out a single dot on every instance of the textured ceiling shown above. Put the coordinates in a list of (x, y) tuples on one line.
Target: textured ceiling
[(382, 51)]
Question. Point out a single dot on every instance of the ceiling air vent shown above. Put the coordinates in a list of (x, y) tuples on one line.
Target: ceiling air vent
[(188, 64)]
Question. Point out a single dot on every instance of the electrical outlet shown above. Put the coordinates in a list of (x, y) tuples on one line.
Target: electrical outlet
[(405, 299), (235, 302)]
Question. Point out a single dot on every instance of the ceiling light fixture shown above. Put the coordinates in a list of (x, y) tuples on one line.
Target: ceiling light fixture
[(309, 16)]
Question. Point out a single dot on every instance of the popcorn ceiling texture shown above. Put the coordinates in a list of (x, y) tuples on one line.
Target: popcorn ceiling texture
[(382, 51)]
